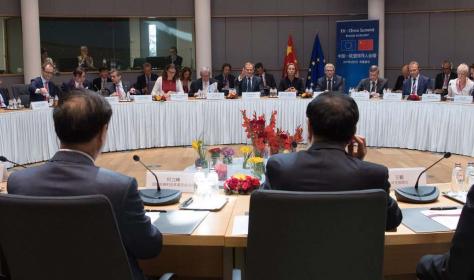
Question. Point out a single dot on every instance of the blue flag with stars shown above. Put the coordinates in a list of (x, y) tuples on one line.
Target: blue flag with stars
[(316, 64)]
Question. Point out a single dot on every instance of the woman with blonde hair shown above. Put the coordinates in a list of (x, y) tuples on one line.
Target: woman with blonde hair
[(462, 85)]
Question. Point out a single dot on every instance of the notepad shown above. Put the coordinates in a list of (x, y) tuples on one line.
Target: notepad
[(448, 218), (177, 222), (212, 204), (241, 225)]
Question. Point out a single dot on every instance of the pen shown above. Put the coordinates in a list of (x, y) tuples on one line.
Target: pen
[(443, 208), (155, 210), (187, 202)]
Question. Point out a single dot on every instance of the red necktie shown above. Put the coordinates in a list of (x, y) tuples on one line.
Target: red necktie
[(46, 86)]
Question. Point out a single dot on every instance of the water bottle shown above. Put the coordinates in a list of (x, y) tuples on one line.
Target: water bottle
[(213, 180), (14, 105), (18, 103), (199, 182), (469, 176), (457, 182)]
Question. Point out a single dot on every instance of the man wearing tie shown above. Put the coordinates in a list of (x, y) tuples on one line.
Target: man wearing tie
[(41, 88), (443, 78), (205, 83), (373, 84), (247, 81), (143, 81), (78, 81), (331, 81), (417, 84), (118, 87), (226, 79), (268, 80), (100, 83)]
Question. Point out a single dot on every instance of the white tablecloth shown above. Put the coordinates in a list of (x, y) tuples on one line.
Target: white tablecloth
[(28, 136)]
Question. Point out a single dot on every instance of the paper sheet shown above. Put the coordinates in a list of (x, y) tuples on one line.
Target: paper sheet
[(241, 225), (153, 216), (448, 218)]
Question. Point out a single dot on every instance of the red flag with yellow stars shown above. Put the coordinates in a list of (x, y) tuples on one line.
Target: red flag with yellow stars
[(290, 56)]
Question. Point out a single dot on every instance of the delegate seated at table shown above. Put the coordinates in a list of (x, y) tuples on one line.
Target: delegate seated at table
[(205, 83), (331, 164), (416, 84), (247, 81), (118, 87), (462, 85), (168, 83), (330, 81), (41, 88), (290, 82), (78, 81), (145, 79), (373, 84)]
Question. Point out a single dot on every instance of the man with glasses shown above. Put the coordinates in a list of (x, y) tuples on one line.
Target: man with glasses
[(443, 78), (41, 88), (330, 81)]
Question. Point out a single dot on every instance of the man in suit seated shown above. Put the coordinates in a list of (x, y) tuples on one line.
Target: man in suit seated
[(174, 58), (81, 123), (443, 78), (143, 81), (331, 163), (41, 88), (78, 81), (417, 84), (205, 83), (268, 80), (100, 83), (373, 84), (330, 81), (458, 263), (247, 81), (225, 79), (118, 87), (4, 97)]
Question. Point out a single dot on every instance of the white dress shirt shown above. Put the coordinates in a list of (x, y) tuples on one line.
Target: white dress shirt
[(453, 88)]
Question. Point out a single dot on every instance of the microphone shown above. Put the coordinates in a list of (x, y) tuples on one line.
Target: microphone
[(158, 196), (4, 159), (420, 194)]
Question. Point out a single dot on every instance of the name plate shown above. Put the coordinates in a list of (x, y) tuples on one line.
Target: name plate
[(142, 98), (215, 96), (431, 97), (177, 180), (39, 105), (361, 95), (112, 99), (179, 97), (466, 99), (392, 96), (405, 177), (251, 95), (286, 95)]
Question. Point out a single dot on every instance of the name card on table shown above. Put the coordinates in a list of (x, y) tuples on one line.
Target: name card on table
[(215, 96), (39, 105), (466, 99), (251, 95), (177, 180), (392, 96), (179, 97), (431, 97), (360, 95), (286, 95), (405, 177), (143, 98), (112, 99)]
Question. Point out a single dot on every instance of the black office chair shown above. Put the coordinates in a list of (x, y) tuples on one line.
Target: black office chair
[(316, 235), (61, 238), (138, 63), (20, 90)]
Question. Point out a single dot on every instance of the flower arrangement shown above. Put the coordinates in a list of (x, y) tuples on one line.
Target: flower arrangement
[(228, 154), (215, 154), (198, 146), (241, 184), (261, 134), (246, 152)]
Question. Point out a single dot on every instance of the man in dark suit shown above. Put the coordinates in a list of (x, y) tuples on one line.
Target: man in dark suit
[(268, 80), (443, 78), (327, 165), (458, 263), (81, 123), (330, 81), (174, 58), (41, 88), (226, 79), (118, 87), (417, 84), (205, 83), (78, 81), (373, 84), (247, 81), (144, 81), (100, 83)]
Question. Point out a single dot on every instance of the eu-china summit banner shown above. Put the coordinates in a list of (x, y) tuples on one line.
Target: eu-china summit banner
[(357, 48)]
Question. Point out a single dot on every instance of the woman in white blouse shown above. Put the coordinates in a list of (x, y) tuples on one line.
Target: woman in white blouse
[(461, 85), (168, 83)]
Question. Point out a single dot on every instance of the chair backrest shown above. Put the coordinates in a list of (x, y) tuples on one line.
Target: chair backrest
[(19, 89), (316, 235), (61, 238)]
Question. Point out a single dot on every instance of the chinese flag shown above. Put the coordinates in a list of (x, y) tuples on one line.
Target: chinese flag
[(290, 56), (366, 45)]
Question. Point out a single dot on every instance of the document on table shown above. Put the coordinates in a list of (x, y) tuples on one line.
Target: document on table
[(241, 225), (177, 221), (448, 218)]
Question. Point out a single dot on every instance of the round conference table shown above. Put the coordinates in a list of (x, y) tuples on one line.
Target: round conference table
[(28, 136)]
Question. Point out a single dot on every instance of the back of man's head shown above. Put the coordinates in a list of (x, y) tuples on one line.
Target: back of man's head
[(333, 117), (81, 116)]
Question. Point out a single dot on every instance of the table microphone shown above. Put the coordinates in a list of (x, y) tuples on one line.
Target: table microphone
[(4, 159), (158, 196), (420, 194)]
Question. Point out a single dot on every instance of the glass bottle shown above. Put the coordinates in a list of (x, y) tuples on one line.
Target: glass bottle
[(457, 178)]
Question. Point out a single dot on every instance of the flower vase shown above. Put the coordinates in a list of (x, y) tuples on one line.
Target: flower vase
[(245, 163), (201, 162), (258, 170), (214, 161), (227, 160), (221, 170)]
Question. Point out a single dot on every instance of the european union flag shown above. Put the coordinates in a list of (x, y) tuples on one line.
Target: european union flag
[(316, 65)]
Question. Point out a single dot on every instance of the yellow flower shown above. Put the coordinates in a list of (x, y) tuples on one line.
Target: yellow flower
[(240, 176), (245, 149), (197, 144), (255, 160)]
